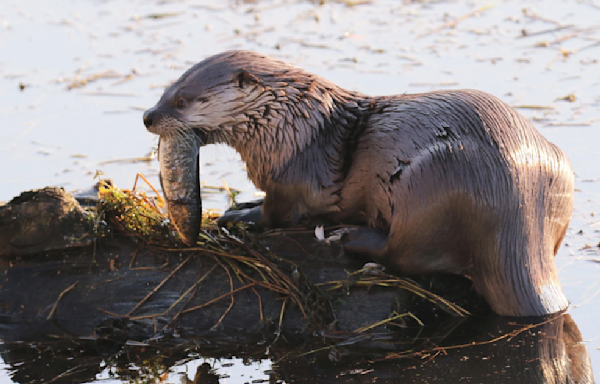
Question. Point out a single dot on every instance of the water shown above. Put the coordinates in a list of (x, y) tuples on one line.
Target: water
[(52, 135)]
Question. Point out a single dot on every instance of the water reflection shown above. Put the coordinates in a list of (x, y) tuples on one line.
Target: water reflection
[(549, 353), (484, 350), (46, 129)]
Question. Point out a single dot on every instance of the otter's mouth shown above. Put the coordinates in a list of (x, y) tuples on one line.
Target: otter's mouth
[(202, 135)]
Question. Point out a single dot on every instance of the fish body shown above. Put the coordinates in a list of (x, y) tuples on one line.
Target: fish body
[(179, 179)]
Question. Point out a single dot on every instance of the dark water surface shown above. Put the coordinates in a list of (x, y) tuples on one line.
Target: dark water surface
[(58, 130)]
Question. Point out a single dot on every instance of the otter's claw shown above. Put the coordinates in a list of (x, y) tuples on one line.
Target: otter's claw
[(249, 215)]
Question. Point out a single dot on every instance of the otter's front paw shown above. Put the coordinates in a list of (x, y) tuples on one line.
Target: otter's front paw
[(250, 215), (246, 205)]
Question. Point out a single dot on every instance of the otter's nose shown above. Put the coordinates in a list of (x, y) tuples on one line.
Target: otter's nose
[(148, 118)]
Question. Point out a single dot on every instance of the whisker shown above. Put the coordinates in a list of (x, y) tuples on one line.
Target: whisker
[(187, 136)]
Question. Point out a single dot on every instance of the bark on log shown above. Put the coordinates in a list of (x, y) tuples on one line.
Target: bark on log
[(42, 220), (84, 288), (94, 291)]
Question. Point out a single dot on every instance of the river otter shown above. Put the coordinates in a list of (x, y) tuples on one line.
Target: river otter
[(443, 182)]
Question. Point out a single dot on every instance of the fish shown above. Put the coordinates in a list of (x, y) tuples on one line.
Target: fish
[(180, 181)]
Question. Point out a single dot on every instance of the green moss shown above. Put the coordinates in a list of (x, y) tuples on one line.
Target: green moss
[(136, 214)]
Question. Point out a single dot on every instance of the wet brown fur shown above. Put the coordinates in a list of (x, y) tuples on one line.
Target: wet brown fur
[(457, 180)]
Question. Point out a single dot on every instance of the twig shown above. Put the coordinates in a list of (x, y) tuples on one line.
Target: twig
[(141, 176), (299, 245), (109, 94), (144, 317), (70, 371), (217, 188), (196, 284), (218, 298), (585, 47), (184, 305), (433, 357), (558, 40), (111, 313), (280, 320), (128, 160), (393, 281), (272, 287), (427, 84), (224, 314), (559, 124), (454, 22), (158, 286), (398, 316), (545, 44), (132, 256), (236, 270), (537, 33), (260, 308), (535, 16), (230, 289), (283, 280), (226, 188), (60, 297), (93, 256), (528, 106), (247, 34), (79, 82), (196, 249), (111, 280), (508, 336), (586, 300)]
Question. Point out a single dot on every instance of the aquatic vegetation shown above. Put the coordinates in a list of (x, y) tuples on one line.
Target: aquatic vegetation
[(134, 213)]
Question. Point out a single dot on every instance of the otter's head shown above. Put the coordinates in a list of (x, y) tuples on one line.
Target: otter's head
[(213, 97), (267, 110)]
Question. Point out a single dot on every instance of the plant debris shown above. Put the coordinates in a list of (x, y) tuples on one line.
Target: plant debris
[(133, 213), (248, 265)]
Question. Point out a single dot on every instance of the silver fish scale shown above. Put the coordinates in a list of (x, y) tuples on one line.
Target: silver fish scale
[(179, 178)]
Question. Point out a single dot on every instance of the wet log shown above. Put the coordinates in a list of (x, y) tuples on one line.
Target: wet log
[(81, 307), (84, 290), (42, 220)]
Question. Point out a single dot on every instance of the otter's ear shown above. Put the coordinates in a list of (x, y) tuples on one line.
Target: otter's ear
[(244, 77)]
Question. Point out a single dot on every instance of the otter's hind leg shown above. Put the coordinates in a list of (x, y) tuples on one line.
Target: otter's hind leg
[(370, 242)]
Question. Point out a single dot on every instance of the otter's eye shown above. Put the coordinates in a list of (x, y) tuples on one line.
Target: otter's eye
[(181, 103)]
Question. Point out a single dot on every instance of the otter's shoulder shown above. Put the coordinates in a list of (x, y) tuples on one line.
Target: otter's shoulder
[(469, 96), (458, 103)]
